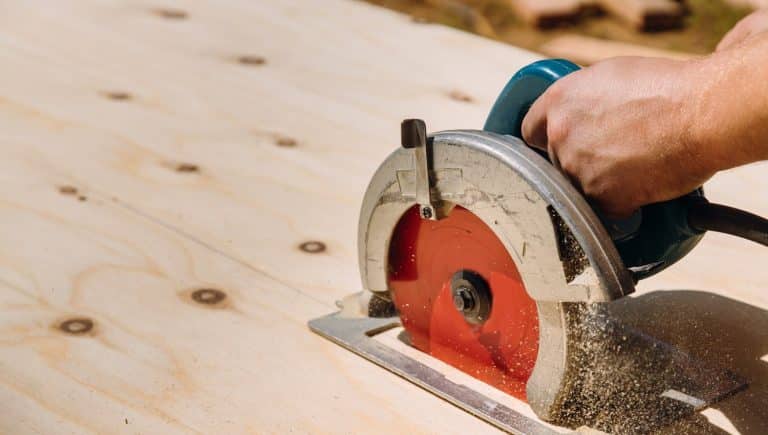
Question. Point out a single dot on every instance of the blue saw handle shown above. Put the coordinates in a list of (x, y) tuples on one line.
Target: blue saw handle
[(525, 87), (656, 236)]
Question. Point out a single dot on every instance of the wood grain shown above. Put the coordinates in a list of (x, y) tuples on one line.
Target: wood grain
[(149, 153)]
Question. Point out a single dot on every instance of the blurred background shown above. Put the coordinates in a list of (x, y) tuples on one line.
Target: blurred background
[(589, 30)]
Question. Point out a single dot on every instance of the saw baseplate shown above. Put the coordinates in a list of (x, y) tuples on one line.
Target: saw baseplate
[(624, 381), (356, 334)]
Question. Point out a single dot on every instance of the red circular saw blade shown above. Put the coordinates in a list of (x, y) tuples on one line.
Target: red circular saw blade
[(423, 256)]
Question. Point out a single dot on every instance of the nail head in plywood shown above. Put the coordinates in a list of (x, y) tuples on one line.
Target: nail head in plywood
[(187, 167), (76, 326), (460, 96), (286, 142), (171, 13), (312, 247), (117, 95), (208, 296), (252, 60), (68, 190)]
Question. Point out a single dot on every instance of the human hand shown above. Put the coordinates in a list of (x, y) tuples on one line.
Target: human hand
[(752, 24), (622, 131)]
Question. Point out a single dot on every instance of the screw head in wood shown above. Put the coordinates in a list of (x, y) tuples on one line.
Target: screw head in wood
[(313, 247), (208, 296), (76, 326)]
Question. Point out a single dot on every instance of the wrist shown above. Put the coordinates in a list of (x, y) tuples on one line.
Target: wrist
[(729, 100), (706, 151)]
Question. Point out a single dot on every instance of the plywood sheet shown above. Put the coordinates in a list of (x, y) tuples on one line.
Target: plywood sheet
[(150, 153)]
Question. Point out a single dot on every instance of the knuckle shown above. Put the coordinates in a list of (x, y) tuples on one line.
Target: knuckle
[(593, 189), (603, 192), (557, 129), (557, 90), (569, 166)]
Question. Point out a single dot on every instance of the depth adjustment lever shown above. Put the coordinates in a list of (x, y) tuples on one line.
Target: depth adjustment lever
[(413, 135)]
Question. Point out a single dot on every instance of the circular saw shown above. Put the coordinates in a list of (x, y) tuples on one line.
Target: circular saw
[(494, 263)]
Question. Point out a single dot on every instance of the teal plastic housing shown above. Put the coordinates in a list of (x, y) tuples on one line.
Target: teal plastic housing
[(657, 235)]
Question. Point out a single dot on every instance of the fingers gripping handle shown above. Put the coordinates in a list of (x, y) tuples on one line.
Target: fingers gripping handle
[(657, 235), (521, 91)]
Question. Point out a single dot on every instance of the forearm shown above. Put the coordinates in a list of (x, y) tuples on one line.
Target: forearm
[(635, 131), (729, 117)]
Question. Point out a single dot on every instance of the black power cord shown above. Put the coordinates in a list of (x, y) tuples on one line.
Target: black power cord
[(723, 219)]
